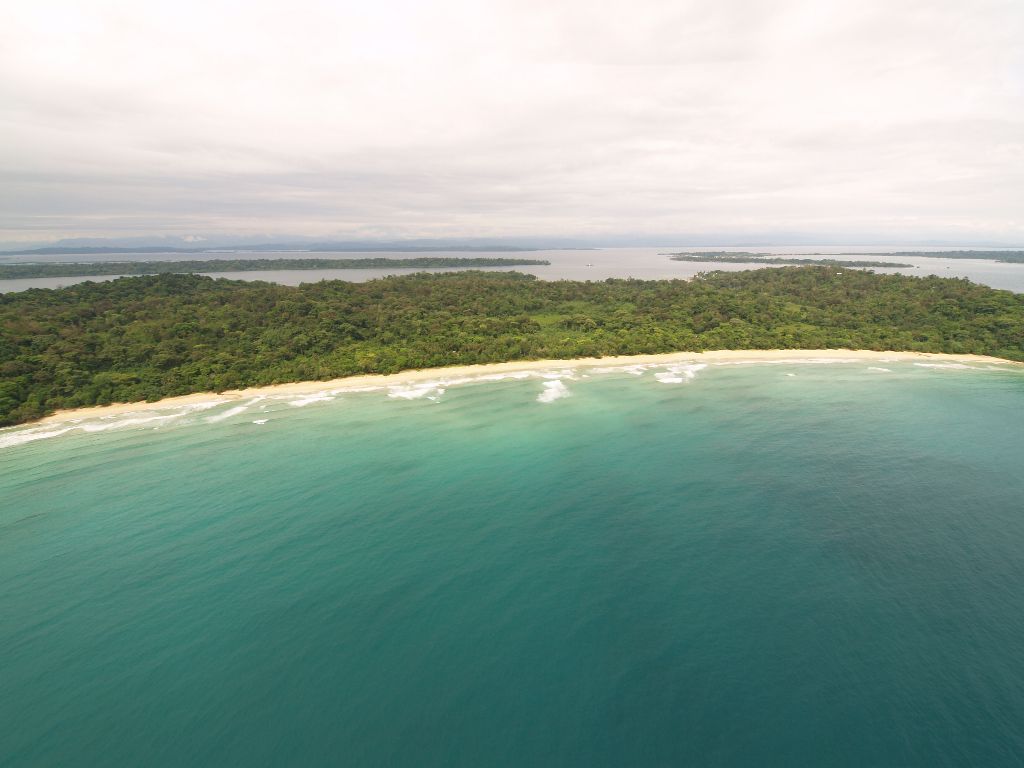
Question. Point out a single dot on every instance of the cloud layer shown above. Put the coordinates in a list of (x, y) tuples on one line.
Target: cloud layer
[(900, 118)]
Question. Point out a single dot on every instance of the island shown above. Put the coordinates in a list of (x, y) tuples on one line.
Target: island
[(98, 268), (281, 247), (746, 257), (1007, 257), (156, 336)]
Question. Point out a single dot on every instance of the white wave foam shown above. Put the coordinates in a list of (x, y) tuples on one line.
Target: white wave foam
[(553, 390), (237, 410), (500, 376), (565, 373), (950, 366), (227, 414), (302, 402), (27, 436), (121, 423), (261, 421), (792, 361), (669, 378), (203, 406), (680, 374), (632, 370), (416, 391), (880, 370)]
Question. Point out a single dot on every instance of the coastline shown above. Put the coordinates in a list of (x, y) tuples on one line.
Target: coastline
[(380, 381)]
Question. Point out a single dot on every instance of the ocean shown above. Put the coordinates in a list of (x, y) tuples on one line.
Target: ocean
[(731, 565)]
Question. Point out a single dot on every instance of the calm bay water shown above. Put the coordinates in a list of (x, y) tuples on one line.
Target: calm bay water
[(598, 264), (761, 565)]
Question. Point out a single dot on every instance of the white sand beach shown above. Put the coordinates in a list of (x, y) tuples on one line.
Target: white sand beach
[(474, 371)]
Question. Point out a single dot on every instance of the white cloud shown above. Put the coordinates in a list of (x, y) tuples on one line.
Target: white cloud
[(505, 118)]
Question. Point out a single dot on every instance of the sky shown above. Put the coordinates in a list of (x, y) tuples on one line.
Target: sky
[(856, 120)]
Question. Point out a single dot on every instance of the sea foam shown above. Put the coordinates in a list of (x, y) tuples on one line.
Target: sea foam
[(429, 389), (632, 370), (319, 397), (950, 366), (680, 374), (130, 422), (227, 414), (20, 438), (553, 390)]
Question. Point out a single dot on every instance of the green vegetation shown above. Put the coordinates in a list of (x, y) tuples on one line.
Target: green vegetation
[(143, 338), (91, 268), (745, 257)]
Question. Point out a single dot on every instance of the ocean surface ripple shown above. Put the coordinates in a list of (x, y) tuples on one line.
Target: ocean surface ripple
[(737, 565)]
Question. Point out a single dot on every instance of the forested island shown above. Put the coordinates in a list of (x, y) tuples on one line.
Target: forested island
[(144, 338), (746, 257), (97, 268), (331, 247), (1008, 257)]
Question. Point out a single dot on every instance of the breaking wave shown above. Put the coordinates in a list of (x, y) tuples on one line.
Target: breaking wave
[(553, 390), (319, 397), (950, 366), (680, 374)]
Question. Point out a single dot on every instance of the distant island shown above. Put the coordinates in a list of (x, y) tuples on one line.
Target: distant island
[(89, 268), (155, 336), (746, 257), (1009, 257), (101, 250)]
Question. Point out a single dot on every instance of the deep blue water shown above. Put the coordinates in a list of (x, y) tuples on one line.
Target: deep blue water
[(766, 565)]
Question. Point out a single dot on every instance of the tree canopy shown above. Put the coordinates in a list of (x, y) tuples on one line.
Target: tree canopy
[(143, 338)]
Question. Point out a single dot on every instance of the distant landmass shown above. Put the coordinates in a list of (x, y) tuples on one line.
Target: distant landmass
[(87, 250), (1009, 257), (89, 268), (747, 257)]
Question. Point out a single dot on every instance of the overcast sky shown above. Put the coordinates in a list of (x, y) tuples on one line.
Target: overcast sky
[(873, 118)]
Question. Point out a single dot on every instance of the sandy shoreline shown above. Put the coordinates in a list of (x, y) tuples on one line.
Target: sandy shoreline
[(470, 371)]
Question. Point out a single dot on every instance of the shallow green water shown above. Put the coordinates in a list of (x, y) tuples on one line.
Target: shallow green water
[(766, 565)]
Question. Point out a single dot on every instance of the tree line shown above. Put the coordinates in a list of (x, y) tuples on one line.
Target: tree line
[(745, 257), (91, 268), (148, 337)]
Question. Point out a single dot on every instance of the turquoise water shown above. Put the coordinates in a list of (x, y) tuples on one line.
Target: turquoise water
[(764, 565)]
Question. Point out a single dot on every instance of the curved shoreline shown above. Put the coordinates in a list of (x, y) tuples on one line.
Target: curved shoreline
[(362, 381)]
